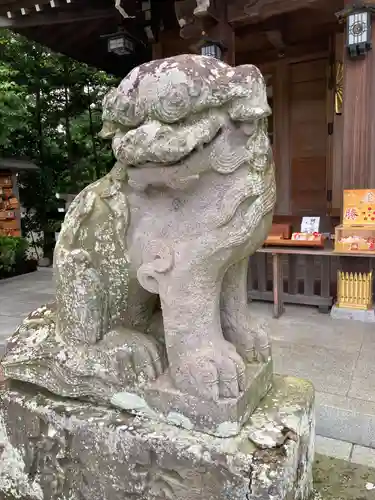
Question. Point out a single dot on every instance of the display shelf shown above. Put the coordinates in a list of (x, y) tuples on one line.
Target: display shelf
[(358, 207), (9, 207), (355, 239), (296, 240)]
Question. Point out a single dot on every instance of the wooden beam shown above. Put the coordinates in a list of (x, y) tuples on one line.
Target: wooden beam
[(292, 53), (258, 10), (15, 7), (70, 38), (276, 39), (203, 8), (124, 11), (188, 10), (241, 10), (41, 19)]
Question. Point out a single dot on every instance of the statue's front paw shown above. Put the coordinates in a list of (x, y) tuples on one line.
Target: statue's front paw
[(137, 353), (147, 359), (212, 373), (248, 335)]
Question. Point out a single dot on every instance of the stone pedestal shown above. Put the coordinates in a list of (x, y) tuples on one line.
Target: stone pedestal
[(347, 313), (58, 449)]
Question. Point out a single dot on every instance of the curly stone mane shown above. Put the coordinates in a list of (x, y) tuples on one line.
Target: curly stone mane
[(164, 110)]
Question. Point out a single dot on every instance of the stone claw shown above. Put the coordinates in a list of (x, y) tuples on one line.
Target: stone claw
[(146, 359), (249, 336), (213, 373), (137, 353)]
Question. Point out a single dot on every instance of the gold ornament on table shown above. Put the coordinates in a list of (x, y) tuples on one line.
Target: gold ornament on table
[(354, 290), (339, 87)]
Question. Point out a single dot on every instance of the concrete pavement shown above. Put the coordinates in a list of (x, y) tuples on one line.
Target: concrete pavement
[(338, 357), (21, 295)]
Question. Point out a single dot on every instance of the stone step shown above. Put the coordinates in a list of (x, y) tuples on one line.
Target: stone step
[(346, 419)]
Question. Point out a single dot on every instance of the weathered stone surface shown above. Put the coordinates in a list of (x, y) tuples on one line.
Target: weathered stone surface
[(367, 316), (54, 449), (222, 418), (151, 261)]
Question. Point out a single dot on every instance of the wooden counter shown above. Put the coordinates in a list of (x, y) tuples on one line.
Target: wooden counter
[(328, 250), (316, 275)]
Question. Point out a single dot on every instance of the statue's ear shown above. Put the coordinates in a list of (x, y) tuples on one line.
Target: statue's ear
[(148, 278), (150, 272)]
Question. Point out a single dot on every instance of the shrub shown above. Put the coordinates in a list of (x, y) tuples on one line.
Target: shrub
[(12, 253)]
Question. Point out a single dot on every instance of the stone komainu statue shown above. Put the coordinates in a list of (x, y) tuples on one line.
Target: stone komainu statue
[(151, 307)]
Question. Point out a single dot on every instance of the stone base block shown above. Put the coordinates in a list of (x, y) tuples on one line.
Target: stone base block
[(124, 376), (353, 314), (160, 400), (55, 449)]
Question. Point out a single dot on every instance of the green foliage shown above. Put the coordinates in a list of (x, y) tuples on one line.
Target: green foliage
[(12, 104), (12, 252), (50, 113)]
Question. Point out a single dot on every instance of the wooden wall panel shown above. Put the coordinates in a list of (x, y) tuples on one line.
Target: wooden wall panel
[(359, 121), (157, 50), (281, 136), (308, 137), (300, 134), (308, 71)]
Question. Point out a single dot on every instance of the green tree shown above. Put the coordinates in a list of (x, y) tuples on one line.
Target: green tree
[(50, 112)]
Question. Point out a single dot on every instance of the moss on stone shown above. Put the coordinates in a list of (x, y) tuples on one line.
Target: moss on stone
[(339, 480)]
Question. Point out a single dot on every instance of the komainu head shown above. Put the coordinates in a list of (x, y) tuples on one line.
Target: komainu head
[(193, 122), (166, 109)]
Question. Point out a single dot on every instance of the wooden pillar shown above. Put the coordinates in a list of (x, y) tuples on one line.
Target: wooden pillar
[(157, 51), (281, 110), (227, 36), (208, 18), (358, 165), (225, 33), (337, 138), (221, 30)]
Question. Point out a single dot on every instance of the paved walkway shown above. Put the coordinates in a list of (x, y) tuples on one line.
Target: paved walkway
[(21, 295), (337, 356), (343, 450)]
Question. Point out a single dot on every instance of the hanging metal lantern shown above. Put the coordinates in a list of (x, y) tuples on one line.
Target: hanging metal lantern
[(212, 49), (358, 35), (120, 45)]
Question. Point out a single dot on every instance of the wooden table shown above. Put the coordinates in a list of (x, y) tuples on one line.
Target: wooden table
[(323, 301)]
